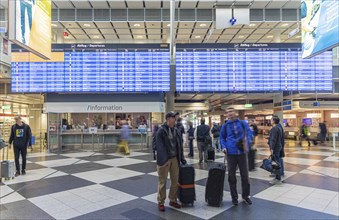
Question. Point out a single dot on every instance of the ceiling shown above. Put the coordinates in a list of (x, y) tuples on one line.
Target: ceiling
[(120, 31)]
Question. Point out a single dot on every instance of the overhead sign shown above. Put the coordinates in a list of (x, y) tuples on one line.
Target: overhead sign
[(5, 107), (104, 107), (30, 25), (314, 115), (334, 115), (290, 116)]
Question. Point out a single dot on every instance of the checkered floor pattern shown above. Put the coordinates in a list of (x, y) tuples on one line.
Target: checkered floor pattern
[(108, 185)]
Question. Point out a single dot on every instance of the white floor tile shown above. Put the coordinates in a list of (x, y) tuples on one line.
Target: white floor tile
[(319, 153), (200, 208), (39, 154), (301, 161), (58, 163), (120, 162), (56, 174), (13, 197), (332, 158), (106, 175), (81, 154), (4, 190), (200, 174), (332, 210), (66, 214), (328, 171), (306, 171), (31, 175), (311, 205)]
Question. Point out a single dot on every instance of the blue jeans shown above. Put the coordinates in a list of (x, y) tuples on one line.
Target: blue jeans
[(216, 141), (282, 171)]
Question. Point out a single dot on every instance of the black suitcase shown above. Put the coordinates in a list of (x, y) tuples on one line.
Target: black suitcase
[(215, 184), (251, 159), (186, 189), (211, 154)]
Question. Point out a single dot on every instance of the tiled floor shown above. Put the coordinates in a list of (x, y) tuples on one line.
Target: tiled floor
[(106, 185)]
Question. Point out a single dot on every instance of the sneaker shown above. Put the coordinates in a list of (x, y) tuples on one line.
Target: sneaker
[(248, 201), (275, 181), (235, 202), (161, 207), (17, 173), (23, 172), (272, 175), (175, 205)]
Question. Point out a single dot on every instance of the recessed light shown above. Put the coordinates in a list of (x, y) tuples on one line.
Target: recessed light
[(270, 36), (136, 25), (54, 25), (241, 36), (139, 36), (202, 25), (95, 37), (87, 25), (284, 25), (197, 37), (168, 25), (252, 25), (298, 36)]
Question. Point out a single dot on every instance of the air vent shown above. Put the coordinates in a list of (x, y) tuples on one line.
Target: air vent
[(101, 15), (67, 14), (84, 14), (272, 14)]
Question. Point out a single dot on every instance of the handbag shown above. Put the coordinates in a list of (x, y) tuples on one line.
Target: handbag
[(2, 143), (270, 165)]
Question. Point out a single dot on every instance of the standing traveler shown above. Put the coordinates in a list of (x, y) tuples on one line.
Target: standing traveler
[(236, 138), (323, 131), (21, 137), (202, 134), (190, 139), (216, 136), (169, 155), (275, 143), (254, 130)]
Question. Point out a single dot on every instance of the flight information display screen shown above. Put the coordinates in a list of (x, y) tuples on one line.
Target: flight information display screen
[(245, 68), (82, 69)]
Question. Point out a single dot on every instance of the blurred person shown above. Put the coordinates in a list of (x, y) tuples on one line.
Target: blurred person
[(304, 135), (21, 137), (169, 155), (216, 137), (323, 132), (255, 130), (202, 134), (124, 137)]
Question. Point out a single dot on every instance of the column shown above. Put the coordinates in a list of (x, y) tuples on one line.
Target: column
[(278, 99)]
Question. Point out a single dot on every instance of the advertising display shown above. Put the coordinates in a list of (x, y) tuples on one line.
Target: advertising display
[(30, 25), (320, 26), (307, 121)]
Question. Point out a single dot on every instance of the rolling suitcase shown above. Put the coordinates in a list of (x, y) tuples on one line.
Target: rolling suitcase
[(251, 159), (7, 166), (215, 184), (186, 188), (211, 154)]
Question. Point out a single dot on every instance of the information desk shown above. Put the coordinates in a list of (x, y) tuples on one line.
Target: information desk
[(102, 139)]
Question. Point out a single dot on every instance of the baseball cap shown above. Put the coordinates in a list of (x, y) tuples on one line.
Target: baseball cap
[(171, 114)]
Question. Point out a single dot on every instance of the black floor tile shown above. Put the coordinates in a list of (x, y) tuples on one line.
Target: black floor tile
[(98, 157), (138, 186), (82, 167), (306, 156), (50, 185), (294, 167), (327, 164), (262, 209), (116, 212), (46, 158), (144, 157), (316, 181), (256, 185), (33, 166), (148, 167), (140, 214), (22, 210)]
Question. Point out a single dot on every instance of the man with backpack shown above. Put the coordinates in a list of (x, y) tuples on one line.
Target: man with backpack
[(202, 134), (216, 136), (236, 138)]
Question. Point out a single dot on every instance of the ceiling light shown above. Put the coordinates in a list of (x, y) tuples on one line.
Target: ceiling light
[(202, 25), (197, 37), (241, 36), (87, 25), (136, 25), (168, 25), (95, 37), (298, 36), (54, 25), (139, 36), (284, 25), (270, 36), (252, 25)]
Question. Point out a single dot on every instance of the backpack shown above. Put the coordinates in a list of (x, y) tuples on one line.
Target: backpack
[(204, 135)]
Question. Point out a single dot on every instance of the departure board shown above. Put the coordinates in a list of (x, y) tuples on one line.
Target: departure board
[(248, 68), (79, 69)]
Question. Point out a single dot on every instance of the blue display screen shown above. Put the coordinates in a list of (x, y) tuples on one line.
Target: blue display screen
[(224, 70), (307, 121), (119, 71)]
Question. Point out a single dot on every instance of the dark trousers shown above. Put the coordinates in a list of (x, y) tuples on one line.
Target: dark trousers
[(17, 152), (279, 160), (241, 161), (191, 147)]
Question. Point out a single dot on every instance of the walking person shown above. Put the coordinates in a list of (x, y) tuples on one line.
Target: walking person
[(236, 138), (21, 137), (216, 137), (169, 155)]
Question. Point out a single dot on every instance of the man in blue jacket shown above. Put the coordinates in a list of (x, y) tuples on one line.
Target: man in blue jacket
[(169, 155), (236, 138)]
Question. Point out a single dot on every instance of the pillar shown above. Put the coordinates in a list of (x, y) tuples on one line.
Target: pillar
[(278, 99)]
